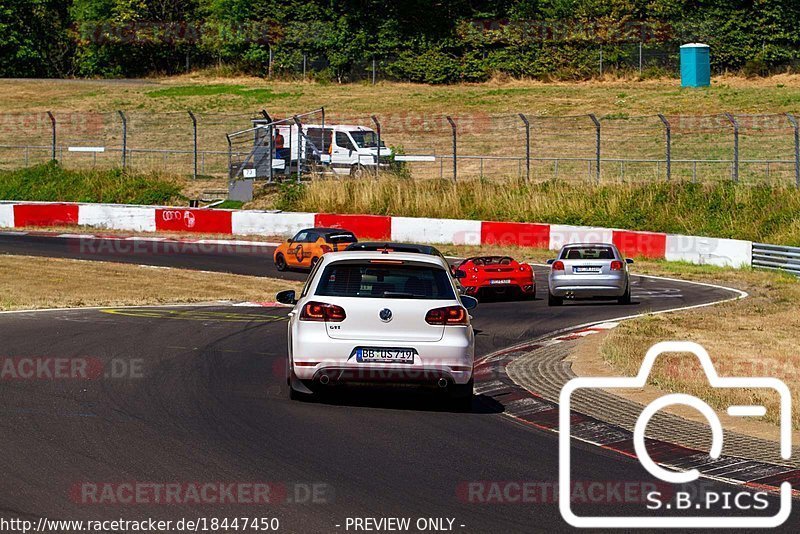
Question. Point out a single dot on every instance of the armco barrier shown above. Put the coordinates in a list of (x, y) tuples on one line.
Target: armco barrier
[(42, 214), (133, 218), (709, 250), (644, 244), (194, 220), (561, 235), (777, 257), (655, 245), (436, 231), (6, 216), (269, 223), (515, 234), (377, 227)]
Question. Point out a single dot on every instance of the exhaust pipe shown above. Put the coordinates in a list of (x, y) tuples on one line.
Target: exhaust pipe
[(442, 383), (324, 379)]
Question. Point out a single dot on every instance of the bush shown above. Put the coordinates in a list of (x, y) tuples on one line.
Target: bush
[(290, 196)]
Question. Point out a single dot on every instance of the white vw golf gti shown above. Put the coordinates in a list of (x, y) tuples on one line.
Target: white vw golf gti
[(378, 317)]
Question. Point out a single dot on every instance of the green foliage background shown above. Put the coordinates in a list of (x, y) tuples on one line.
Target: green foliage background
[(442, 41)]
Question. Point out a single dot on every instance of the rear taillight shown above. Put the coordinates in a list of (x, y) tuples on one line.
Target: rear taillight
[(616, 265), (319, 311), (449, 315), (325, 249), (558, 266)]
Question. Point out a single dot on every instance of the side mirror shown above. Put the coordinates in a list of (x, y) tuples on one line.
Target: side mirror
[(286, 297), (459, 274), (550, 262), (628, 260), (470, 303)]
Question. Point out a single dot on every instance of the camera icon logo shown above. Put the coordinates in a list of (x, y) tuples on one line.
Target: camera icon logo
[(670, 476)]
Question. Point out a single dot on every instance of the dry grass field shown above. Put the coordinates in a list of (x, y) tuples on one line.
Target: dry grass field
[(412, 117), (200, 92), (33, 282)]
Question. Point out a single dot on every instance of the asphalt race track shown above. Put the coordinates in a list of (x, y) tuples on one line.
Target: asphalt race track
[(197, 394)]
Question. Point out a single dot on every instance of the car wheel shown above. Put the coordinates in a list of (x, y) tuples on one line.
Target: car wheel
[(280, 262), (314, 261), (626, 298), (552, 300)]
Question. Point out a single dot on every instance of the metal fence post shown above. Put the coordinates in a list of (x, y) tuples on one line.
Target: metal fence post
[(230, 157), (194, 141), (455, 150), (53, 124), (378, 157), (301, 150), (668, 133), (640, 58), (124, 137), (322, 110), (735, 124), (272, 153), (527, 147), (597, 136), (793, 121)]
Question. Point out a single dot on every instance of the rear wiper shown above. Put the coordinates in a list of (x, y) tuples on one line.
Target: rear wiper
[(399, 295)]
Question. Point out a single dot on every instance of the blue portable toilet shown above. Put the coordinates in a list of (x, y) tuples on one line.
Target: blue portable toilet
[(695, 65)]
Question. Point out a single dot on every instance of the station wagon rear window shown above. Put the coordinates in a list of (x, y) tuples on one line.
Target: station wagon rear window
[(587, 253), (376, 280)]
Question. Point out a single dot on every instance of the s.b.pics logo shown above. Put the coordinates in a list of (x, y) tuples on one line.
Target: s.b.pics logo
[(683, 499)]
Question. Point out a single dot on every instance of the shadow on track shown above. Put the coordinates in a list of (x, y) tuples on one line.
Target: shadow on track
[(399, 398)]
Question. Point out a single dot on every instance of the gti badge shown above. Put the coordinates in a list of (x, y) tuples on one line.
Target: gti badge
[(385, 315)]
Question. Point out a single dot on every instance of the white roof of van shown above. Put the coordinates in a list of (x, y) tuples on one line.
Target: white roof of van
[(343, 127)]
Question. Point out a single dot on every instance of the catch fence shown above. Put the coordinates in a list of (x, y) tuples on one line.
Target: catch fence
[(530, 145)]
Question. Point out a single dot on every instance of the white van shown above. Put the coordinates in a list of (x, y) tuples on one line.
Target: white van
[(348, 149)]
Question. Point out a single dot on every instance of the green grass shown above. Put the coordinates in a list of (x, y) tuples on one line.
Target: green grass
[(51, 182), (230, 205), (250, 94), (757, 213)]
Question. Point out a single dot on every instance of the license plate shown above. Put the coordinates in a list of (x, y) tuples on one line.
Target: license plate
[(505, 281), (386, 355), (586, 269)]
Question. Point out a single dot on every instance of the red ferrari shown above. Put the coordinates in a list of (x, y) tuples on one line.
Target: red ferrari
[(496, 276)]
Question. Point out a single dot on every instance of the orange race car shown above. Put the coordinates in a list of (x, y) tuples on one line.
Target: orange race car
[(304, 249)]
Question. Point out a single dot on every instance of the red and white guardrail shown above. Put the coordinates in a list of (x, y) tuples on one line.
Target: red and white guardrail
[(707, 250)]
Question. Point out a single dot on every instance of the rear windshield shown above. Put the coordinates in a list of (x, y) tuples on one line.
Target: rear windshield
[(389, 247), (587, 253), (341, 237), (374, 280), (492, 260)]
